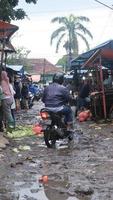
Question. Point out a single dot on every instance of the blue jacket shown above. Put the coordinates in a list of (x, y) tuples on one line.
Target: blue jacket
[(33, 89), (55, 95)]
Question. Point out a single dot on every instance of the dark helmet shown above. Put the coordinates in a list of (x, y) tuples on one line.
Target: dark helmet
[(58, 78)]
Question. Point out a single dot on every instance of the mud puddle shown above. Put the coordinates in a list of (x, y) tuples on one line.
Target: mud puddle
[(24, 168), (39, 191), (82, 170), (33, 190)]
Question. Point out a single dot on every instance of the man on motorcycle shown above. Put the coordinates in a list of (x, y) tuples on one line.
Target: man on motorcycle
[(56, 98)]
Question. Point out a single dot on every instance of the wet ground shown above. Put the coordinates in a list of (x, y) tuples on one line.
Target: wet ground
[(79, 170)]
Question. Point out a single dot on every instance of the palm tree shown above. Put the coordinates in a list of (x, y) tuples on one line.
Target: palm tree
[(70, 31)]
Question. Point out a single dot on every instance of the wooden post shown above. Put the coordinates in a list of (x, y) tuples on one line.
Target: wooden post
[(44, 72), (102, 87)]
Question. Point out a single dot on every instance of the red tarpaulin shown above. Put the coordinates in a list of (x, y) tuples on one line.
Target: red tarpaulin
[(7, 30), (8, 48)]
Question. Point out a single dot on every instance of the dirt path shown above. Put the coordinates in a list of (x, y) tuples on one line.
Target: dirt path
[(81, 170)]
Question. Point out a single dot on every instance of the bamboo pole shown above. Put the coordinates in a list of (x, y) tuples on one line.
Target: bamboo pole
[(102, 88)]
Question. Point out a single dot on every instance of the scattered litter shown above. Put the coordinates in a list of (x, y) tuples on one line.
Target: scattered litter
[(13, 165), (72, 198), (21, 148), (43, 179), (1, 156), (98, 128), (24, 148), (15, 150), (106, 139), (92, 125), (37, 129), (84, 115)]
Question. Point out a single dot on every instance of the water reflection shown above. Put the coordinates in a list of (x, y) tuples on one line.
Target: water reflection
[(35, 191), (27, 185), (54, 189)]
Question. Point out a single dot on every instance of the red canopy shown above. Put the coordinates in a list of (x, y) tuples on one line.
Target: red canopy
[(8, 48), (6, 30)]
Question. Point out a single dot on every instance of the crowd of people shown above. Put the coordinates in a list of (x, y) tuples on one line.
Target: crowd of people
[(14, 96)]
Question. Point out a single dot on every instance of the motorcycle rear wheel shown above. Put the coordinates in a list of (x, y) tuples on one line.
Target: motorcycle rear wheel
[(50, 138)]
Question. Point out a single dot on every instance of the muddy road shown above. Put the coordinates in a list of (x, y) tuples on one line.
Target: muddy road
[(79, 170)]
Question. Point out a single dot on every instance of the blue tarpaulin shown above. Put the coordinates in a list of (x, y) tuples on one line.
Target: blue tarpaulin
[(105, 50), (16, 68)]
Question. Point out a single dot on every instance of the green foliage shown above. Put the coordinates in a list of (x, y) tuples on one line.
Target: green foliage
[(21, 131), (18, 58), (64, 62), (8, 10), (21, 53), (67, 35)]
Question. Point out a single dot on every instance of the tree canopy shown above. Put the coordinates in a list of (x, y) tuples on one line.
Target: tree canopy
[(9, 10), (68, 33)]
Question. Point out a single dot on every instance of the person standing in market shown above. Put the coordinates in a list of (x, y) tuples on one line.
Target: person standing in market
[(1, 110), (7, 100), (18, 88), (25, 94), (13, 106), (83, 99)]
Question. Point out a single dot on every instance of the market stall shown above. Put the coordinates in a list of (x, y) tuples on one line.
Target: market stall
[(98, 61), (6, 31)]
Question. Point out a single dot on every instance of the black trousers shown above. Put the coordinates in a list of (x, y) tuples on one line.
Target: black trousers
[(1, 118)]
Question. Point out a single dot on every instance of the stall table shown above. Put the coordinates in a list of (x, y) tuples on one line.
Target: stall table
[(97, 104)]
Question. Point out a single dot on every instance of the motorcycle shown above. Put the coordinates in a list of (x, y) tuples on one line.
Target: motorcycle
[(37, 95), (36, 92), (34, 97), (53, 127), (30, 100)]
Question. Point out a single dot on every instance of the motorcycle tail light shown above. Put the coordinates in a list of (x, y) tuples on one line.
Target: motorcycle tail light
[(44, 115)]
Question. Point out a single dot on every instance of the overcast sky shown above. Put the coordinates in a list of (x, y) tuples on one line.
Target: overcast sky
[(34, 33)]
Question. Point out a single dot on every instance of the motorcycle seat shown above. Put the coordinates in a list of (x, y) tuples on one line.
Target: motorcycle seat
[(53, 110)]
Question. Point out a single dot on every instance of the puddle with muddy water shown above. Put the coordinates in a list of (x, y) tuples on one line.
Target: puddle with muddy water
[(33, 189), (23, 181), (39, 191), (83, 171)]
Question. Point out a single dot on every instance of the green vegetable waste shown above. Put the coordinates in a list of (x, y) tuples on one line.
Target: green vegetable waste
[(21, 131)]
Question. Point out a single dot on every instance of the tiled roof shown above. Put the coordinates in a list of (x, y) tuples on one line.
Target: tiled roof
[(40, 66)]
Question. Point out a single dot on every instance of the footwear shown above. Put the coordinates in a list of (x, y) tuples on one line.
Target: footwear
[(1, 130), (70, 136)]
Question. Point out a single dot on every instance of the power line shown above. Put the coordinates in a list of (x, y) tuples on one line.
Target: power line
[(106, 25), (108, 17), (104, 4)]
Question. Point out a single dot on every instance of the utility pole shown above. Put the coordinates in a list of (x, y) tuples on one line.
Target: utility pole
[(104, 4), (44, 71)]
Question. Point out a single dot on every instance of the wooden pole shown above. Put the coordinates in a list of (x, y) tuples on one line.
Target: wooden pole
[(2, 53), (44, 73), (102, 88)]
